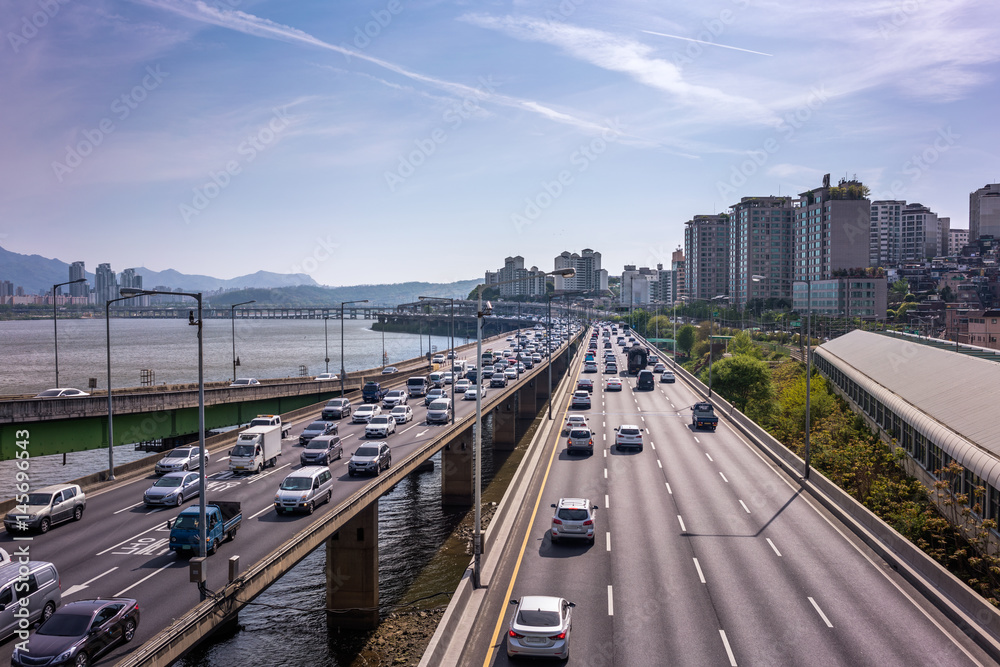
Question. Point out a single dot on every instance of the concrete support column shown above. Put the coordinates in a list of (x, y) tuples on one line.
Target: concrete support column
[(505, 425), (527, 406), (456, 471), (352, 572)]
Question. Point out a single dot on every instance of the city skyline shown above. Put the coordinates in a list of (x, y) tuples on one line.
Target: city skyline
[(299, 138)]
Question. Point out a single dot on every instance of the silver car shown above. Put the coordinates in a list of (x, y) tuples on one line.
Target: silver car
[(573, 519), (173, 489), (179, 459), (540, 627), (370, 459), (41, 509)]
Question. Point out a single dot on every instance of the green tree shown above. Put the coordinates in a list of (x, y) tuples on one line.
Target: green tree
[(488, 293), (685, 338), (742, 343), (743, 381), (910, 298)]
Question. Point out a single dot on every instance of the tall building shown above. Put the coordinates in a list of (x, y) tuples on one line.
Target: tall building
[(984, 212), (105, 284), (77, 271), (666, 283), (6, 290), (760, 243), (706, 253), (640, 287), (677, 265), (885, 237), (590, 277), (831, 230), (957, 239), (944, 235), (129, 278), (530, 282), (853, 296)]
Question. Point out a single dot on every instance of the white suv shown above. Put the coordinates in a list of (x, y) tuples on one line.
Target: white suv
[(573, 518), (628, 435)]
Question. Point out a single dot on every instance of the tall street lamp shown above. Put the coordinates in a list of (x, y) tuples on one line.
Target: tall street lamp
[(111, 430), (477, 446), (342, 340), (326, 344), (711, 325), (232, 318), (548, 333), (452, 302), (757, 279), (131, 291), (55, 330)]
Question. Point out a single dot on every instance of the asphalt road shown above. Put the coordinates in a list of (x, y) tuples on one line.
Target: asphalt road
[(705, 554), (119, 548)]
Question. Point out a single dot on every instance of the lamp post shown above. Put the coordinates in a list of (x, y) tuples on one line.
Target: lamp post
[(131, 291), (757, 279), (711, 325), (342, 341), (326, 344), (111, 431), (548, 323), (477, 447), (232, 318), (452, 327), (55, 330)]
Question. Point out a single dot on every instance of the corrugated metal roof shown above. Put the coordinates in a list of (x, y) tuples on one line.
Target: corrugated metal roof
[(953, 389)]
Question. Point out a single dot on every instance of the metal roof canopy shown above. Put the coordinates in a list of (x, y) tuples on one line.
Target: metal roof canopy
[(944, 395)]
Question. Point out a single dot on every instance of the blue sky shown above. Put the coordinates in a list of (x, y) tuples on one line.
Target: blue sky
[(391, 140)]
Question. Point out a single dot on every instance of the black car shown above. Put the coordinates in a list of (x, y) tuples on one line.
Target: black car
[(321, 450), (80, 632), (498, 381), (337, 408), (318, 427), (586, 384)]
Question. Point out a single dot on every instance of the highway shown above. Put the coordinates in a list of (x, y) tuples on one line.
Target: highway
[(119, 547), (705, 554)]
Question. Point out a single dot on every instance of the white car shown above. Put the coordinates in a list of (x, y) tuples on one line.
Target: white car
[(470, 394), (402, 413), (438, 359), (575, 421), (326, 376), (380, 426), (510, 373), (462, 386), (448, 377), (64, 392), (394, 398), (540, 627), (365, 412), (245, 382), (628, 435)]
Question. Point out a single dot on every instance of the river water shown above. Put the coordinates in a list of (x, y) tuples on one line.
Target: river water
[(287, 622)]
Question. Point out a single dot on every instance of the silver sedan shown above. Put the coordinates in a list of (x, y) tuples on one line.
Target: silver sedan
[(173, 489)]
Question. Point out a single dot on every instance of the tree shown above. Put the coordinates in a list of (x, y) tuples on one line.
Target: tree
[(743, 344), (488, 293), (898, 290), (742, 380), (685, 338)]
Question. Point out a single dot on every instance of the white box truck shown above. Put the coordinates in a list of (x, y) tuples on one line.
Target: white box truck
[(257, 447)]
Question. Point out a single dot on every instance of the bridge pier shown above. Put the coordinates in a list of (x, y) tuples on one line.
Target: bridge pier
[(456, 471), (505, 425), (527, 400), (352, 572)]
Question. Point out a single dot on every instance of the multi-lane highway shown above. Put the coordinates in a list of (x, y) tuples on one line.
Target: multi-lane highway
[(705, 554), (119, 548)]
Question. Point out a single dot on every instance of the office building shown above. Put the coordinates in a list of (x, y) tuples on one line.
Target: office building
[(862, 297), (831, 230), (957, 239), (590, 277), (706, 254), (640, 287), (760, 243), (984, 212)]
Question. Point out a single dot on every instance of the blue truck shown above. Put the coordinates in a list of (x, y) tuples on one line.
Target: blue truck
[(373, 392), (703, 416), (224, 518)]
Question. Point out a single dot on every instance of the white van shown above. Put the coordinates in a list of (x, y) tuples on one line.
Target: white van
[(436, 379), (438, 411), (39, 583), (304, 489), (417, 386)]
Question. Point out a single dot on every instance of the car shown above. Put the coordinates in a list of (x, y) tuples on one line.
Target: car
[(64, 392), (540, 627), (326, 376), (380, 426), (395, 397), (607, 345), (439, 411), (451, 354), (611, 368), (462, 386), (667, 376), (644, 380), (370, 459), (653, 359), (498, 381), (366, 412), (336, 408), (173, 489), (303, 489), (470, 393), (449, 377), (79, 633), (402, 413), (434, 394), (580, 400), (389, 370), (536, 358), (510, 374), (180, 458), (487, 371), (45, 507), (580, 439), (628, 435), (659, 368), (321, 450), (244, 382), (318, 427), (613, 384), (590, 367), (574, 421), (573, 519), (438, 359), (586, 384)]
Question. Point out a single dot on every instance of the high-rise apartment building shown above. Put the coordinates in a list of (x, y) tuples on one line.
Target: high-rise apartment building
[(885, 236), (590, 277), (706, 254), (76, 272), (984, 212), (831, 230), (760, 243), (902, 232), (665, 288), (105, 284), (677, 266), (640, 287), (957, 239), (530, 282)]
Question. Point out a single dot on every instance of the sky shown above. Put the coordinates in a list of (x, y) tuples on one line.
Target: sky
[(397, 140)]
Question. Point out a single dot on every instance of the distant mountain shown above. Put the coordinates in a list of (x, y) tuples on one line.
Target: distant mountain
[(378, 295), (37, 274)]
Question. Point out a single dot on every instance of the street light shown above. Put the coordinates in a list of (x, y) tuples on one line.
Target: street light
[(342, 340), (548, 335), (326, 344), (132, 291), (711, 326), (757, 279), (477, 442), (55, 330), (452, 302), (111, 431), (232, 318)]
